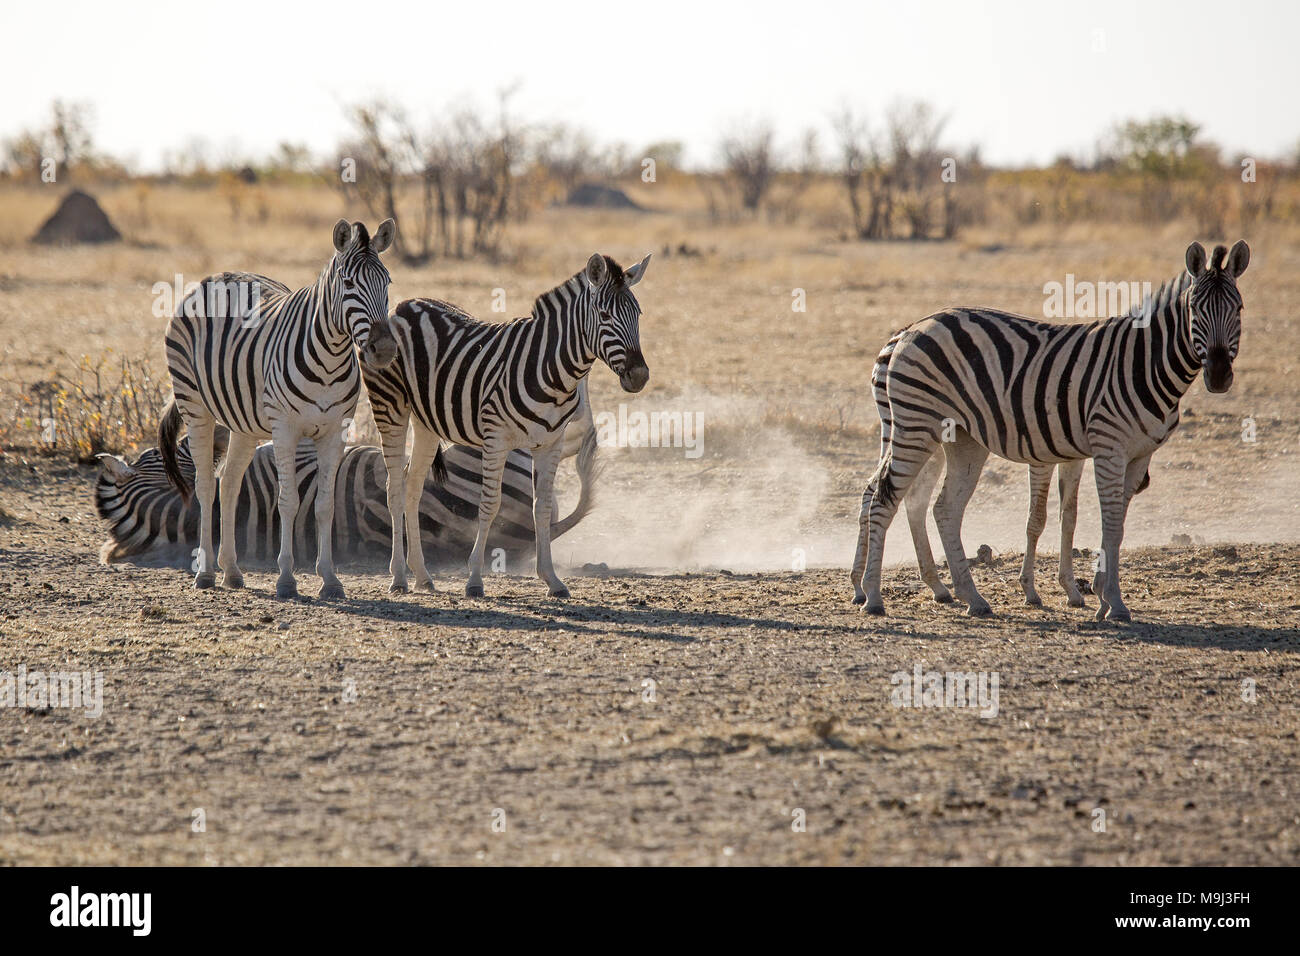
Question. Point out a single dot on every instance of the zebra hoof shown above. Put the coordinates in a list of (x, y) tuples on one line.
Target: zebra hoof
[(286, 590), (204, 580), (426, 586), (332, 592), (877, 610), (398, 588), (473, 590), (1119, 614), (943, 597), (1034, 601), (1076, 602), (979, 610), (232, 581), (560, 592), (859, 599)]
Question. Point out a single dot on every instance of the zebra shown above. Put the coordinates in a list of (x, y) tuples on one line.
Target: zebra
[(148, 520), (1040, 393), (284, 368), (917, 499), (499, 386)]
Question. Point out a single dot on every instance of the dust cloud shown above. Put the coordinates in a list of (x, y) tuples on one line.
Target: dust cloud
[(758, 499)]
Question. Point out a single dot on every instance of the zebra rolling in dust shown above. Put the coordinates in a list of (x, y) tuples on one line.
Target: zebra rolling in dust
[(1043, 394), (148, 520)]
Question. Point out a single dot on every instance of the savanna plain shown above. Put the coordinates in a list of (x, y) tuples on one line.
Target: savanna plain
[(708, 695)]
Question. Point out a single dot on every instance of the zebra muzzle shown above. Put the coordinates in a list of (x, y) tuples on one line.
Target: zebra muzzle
[(1218, 371), (634, 375), (381, 348)]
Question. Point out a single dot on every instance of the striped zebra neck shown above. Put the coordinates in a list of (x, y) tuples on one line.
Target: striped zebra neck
[(1170, 316), (327, 316), (566, 313)]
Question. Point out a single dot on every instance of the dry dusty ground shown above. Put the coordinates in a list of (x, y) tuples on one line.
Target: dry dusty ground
[(771, 694)]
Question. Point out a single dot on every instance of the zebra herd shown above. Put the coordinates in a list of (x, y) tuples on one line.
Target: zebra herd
[(969, 381)]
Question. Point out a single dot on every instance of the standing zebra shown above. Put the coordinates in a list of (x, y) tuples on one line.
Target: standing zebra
[(284, 368), (499, 386), (980, 381)]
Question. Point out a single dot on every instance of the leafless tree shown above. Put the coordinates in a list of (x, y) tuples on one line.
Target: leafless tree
[(450, 190), (748, 154), (867, 175), (896, 174)]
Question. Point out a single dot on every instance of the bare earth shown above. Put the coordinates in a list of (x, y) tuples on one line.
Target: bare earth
[(771, 694)]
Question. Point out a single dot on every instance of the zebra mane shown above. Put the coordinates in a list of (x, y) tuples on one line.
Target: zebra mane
[(1169, 291), (576, 284), (568, 290)]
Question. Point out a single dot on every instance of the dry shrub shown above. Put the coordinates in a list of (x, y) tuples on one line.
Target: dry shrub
[(108, 404)]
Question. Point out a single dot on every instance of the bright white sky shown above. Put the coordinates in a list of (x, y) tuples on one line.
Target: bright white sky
[(1025, 80)]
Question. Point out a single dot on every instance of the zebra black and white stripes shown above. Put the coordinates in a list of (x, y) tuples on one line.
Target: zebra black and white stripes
[(148, 519), (1039, 393), (281, 365), (500, 386)]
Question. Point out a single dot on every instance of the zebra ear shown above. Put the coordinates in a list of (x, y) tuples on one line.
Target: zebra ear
[(1238, 258), (383, 237), (342, 234), (1195, 259), (635, 274), (597, 271), (115, 467)]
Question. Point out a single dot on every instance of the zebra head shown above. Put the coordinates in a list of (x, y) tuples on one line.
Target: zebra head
[(361, 289), (1214, 307), (617, 315)]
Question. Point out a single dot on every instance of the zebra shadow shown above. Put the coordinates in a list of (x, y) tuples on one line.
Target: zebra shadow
[(1227, 637), (518, 613)]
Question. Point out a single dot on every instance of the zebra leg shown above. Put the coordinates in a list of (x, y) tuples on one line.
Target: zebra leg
[(917, 500), (1110, 472), (239, 453), (860, 555), (545, 463), (329, 452), (898, 467), (393, 443), (1040, 480), (423, 452), (494, 464), (201, 432), (285, 441), (965, 459), (1067, 480)]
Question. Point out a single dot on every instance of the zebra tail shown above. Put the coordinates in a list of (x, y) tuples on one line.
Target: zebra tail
[(168, 431), (439, 466), (589, 469)]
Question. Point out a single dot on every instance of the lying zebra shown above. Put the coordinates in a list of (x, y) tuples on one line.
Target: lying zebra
[(917, 500), (149, 521)]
